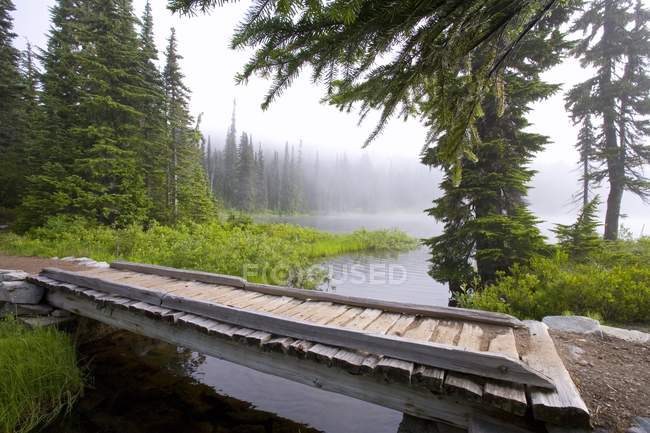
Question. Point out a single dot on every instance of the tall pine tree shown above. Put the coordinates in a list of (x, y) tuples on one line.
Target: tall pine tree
[(487, 226), (616, 43), (12, 113), (188, 192), (154, 153), (92, 91)]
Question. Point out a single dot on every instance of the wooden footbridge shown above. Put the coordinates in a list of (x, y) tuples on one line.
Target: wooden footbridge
[(475, 370)]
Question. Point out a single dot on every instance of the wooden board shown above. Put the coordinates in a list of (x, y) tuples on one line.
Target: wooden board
[(470, 338), (564, 404), (485, 364), (510, 397), (426, 310)]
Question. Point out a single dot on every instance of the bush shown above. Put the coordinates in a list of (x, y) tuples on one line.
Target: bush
[(612, 283), (273, 253), (39, 377)]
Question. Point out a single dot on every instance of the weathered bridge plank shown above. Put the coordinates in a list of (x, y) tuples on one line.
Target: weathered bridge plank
[(564, 404), (425, 310), (486, 364)]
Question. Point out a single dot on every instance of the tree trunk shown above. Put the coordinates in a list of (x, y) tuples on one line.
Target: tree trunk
[(614, 163)]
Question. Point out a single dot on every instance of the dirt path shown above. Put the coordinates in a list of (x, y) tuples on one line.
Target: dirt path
[(33, 265), (613, 377)]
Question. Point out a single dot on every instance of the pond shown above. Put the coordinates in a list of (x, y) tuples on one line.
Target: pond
[(142, 386), (399, 277)]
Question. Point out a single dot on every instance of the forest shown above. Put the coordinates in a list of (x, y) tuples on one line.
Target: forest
[(101, 155), (294, 179), (93, 128)]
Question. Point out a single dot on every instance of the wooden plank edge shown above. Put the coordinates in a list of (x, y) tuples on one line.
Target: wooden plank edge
[(449, 313), (564, 405), (493, 365)]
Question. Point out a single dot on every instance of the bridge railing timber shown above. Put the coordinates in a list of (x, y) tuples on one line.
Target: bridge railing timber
[(453, 354)]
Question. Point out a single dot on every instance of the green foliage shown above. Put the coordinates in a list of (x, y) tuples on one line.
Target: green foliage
[(274, 250), (16, 117), (613, 283), (402, 57), (39, 377), (488, 227), (615, 44), (580, 239)]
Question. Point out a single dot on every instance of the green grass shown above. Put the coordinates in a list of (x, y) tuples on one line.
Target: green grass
[(39, 377), (612, 284), (268, 253)]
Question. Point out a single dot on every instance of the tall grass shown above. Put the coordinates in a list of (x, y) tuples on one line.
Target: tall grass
[(224, 247), (39, 377)]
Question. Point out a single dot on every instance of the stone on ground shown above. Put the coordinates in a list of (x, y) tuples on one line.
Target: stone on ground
[(629, 335), (45, 321), (13, 276), (20, 292), (576, 324), (642, 425)]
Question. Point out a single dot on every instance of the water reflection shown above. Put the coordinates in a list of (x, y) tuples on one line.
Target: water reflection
[(139, 385)]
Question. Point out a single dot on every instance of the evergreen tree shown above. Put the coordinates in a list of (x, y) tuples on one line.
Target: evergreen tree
[(580, 238), (487, 226), (12, 115), (230, 160), (154, 153), (388, 54), (586, 148), (246, 175), (286, 196), (188, 191), (273, 181), (261, 189), (92, 91), (616, 38)]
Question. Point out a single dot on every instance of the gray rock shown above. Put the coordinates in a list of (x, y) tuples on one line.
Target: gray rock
[(575, 352), (6, 271), (629, 335), (26, 310), (640, 425), (61, 313), (576, 324), (20, 292), (45, 321), (13, 276)]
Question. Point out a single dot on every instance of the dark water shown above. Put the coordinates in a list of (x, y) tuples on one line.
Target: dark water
[(143, 386)]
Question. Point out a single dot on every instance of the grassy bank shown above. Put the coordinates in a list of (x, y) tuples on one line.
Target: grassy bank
[(269, 253), (611, 284), (39, 377)]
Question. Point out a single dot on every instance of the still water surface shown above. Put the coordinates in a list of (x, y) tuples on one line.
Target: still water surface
[(143, 386)]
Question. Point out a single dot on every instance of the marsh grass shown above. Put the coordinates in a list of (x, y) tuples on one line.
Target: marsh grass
[(39, 377), (226, 247)]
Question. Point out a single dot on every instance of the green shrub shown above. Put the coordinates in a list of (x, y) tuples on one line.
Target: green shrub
[(272, 253), (612, 283), (39, 377)]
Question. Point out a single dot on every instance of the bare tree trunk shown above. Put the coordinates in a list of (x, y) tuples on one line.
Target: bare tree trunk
[(615, 167)]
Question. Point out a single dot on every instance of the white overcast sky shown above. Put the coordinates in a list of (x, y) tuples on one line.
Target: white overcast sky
[(210, 67)]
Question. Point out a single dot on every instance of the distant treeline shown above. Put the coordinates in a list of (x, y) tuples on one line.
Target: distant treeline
[(292, 179)]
